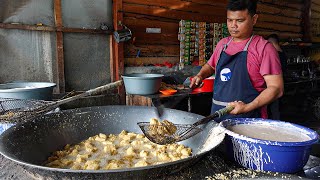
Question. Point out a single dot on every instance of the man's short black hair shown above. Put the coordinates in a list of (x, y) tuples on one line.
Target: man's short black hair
[(274, 36), (240, 5)]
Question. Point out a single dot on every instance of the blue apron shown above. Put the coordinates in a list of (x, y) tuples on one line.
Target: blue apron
[(232, 83)]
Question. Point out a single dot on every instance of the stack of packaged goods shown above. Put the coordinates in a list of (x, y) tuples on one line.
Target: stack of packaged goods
[(216, 34), (193, 35), (183, 32), (202, 42), (224, 30), (187, 37), (209, 39), (198, 40)]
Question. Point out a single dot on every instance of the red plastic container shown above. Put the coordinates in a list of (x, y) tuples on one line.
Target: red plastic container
[(207, 85)]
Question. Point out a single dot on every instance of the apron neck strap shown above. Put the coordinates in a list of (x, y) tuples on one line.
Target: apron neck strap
[(226, 45), (247, 45), (244, 49)]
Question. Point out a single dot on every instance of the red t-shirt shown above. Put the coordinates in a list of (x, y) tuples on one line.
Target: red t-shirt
[(262, 59)]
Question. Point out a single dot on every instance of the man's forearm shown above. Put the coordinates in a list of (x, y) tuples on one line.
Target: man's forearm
[(266, 97), (206, 71)]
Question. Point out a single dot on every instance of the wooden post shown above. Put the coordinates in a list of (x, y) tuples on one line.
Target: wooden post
[(117, 60), (59, 45), (306, 21)]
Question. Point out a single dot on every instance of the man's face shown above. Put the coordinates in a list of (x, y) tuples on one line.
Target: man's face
[(240, 24)]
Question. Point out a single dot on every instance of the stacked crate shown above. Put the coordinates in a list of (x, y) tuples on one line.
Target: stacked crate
[(198, 40)]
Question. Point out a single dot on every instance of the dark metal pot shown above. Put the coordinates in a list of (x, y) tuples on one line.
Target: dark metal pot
[(31, 143)]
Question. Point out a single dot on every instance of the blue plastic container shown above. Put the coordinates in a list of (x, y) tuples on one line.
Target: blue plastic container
[(264, 155)]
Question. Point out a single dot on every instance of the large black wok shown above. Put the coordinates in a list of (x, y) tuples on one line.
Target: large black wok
[(31, 143)]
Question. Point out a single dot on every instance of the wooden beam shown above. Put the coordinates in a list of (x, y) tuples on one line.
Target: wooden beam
[(26, 27), (112, 60), (118, 55), (52, 29), (79, 30), (59, 45)]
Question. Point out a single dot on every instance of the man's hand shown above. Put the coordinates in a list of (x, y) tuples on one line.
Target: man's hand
[(205, 72), (239, 107), (196, 81)]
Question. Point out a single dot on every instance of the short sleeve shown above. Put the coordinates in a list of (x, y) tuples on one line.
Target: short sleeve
[(270, 64), (216, 53)]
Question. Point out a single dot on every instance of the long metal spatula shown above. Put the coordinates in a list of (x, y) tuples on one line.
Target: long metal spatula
[(183, 131), (176, 98), (12, 110), (158, 105)]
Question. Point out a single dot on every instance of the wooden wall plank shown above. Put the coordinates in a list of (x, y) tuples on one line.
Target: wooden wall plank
[(217, 3), (279, 19), (315, 15), (315, 21), (168, 35), (173, 14), (150, 60), (181, 6), (285, 4), (282, 35), (140, 25), (279, 27), (278, 10), (151, 50), (164, 39), (315, 3), (315, 8)]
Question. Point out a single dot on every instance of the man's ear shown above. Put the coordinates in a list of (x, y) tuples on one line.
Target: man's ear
[(254, 19)]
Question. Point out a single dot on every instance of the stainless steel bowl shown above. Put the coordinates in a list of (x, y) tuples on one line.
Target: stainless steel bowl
[(27, 90), (143, 84)]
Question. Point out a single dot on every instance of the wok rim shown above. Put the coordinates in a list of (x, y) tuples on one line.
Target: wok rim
[(29, 165), (134, 169), (37, 86), (139, 76)]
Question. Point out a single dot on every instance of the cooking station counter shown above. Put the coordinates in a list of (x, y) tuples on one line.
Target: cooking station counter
[(195, 102), (213, 164)]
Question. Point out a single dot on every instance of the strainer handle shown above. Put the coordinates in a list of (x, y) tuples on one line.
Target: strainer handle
[(216, 114), (90, 92)]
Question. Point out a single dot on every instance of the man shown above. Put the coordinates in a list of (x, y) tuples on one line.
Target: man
[(274, 40), (273, 108), (247, 67)]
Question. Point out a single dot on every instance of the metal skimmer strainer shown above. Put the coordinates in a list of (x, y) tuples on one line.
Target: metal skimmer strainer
[(182, 131)]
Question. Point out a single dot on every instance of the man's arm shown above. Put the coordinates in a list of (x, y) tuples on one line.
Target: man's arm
[(205, 72), (273, 91)]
